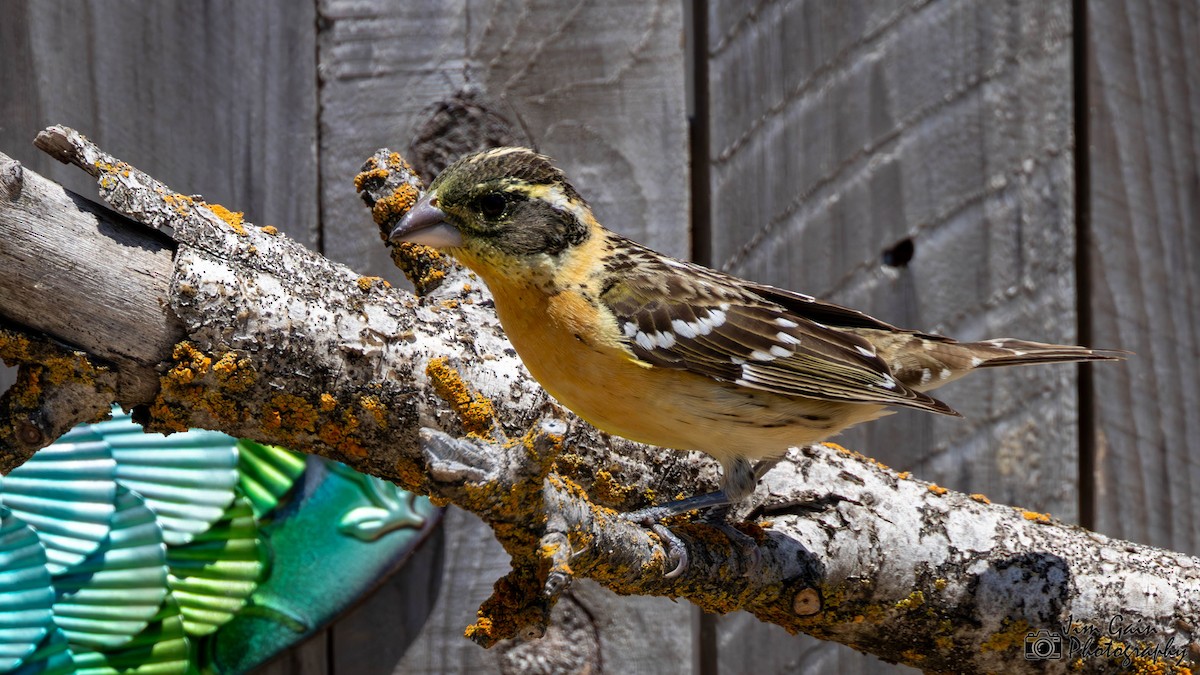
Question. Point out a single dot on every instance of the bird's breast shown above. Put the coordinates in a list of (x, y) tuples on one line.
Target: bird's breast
[(572, 347)]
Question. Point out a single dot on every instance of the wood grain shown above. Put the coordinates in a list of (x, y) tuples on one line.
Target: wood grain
[(310, 657), (373, 637), (216, 98), (77, 304), (841, 129), (598, 86), (1142, 84)]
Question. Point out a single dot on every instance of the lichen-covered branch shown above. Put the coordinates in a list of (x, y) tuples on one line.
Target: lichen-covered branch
[(271, 341)]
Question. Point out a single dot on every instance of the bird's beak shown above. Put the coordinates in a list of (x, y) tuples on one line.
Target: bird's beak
[(426, 224)]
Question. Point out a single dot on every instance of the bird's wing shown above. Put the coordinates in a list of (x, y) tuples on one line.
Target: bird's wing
[(685, 317)]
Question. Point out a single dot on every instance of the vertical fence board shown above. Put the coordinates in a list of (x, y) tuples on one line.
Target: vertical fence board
[(373, 637), (217, 98), (598, 86), (841, 129), (1143, 87), (310, 657)]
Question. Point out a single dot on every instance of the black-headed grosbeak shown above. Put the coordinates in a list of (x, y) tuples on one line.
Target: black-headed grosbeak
[(671, 353)]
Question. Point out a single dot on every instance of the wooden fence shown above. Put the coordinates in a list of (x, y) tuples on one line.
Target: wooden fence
[(972, 167)]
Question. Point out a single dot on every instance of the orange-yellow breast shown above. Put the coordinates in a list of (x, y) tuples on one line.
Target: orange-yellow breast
[(572, 347)]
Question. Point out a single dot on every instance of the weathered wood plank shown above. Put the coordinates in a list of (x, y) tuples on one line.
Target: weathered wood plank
[(218, 98), (310, 657), (842, 129), (56, 224), (473, 559), (374, 636), (1143, 90), (598, 86)]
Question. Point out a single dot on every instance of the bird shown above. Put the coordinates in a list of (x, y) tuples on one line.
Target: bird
[(671, 353)]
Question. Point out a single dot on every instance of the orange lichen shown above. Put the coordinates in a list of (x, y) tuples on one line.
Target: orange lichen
[(516, 603), (190, 363), (937, 489), (111, 171), (390, 209), (182, 393), (234, 374), (913, 601), (474, 410), (369, 174), (981, 498), (904, 475), (365, 283), (422, 265), (291, 411), (857, 455), (397, 163), (1035, 516), (233, 218), (43, 366), (375, 409), (182, 204), (1010, 636), (328, 403), (341, 436), (608, 490), (270, 229)]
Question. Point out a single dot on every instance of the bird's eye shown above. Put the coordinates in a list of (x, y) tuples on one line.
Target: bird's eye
[(492, 205)]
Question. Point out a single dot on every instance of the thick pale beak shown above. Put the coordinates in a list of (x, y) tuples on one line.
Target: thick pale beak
[(426, 224)]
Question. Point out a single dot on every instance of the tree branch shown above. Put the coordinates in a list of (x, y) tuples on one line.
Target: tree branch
[(238, 328)]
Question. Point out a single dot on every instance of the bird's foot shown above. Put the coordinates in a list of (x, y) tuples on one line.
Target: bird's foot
[(676, 550), (742, 542), (717, 506), (654, 514)]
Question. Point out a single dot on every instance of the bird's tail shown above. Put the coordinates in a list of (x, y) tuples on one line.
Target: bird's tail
[(1010, 352)]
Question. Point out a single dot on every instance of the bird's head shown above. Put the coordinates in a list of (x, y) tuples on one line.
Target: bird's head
[(506, 205)]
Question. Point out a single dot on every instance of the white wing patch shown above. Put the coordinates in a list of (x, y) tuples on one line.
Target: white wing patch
[(701, 326), (679, 329), (785, 322), (656, 340), (686, 329)]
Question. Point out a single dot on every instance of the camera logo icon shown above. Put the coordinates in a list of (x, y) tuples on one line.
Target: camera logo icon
[(1042, 645)]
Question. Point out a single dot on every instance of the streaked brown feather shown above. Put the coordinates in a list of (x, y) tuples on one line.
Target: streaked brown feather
[(820, 362)]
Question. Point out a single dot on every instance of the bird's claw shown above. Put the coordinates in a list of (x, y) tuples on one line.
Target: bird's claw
[(676, 549)]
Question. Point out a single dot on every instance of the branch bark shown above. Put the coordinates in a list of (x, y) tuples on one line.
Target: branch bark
[(195, 318)]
